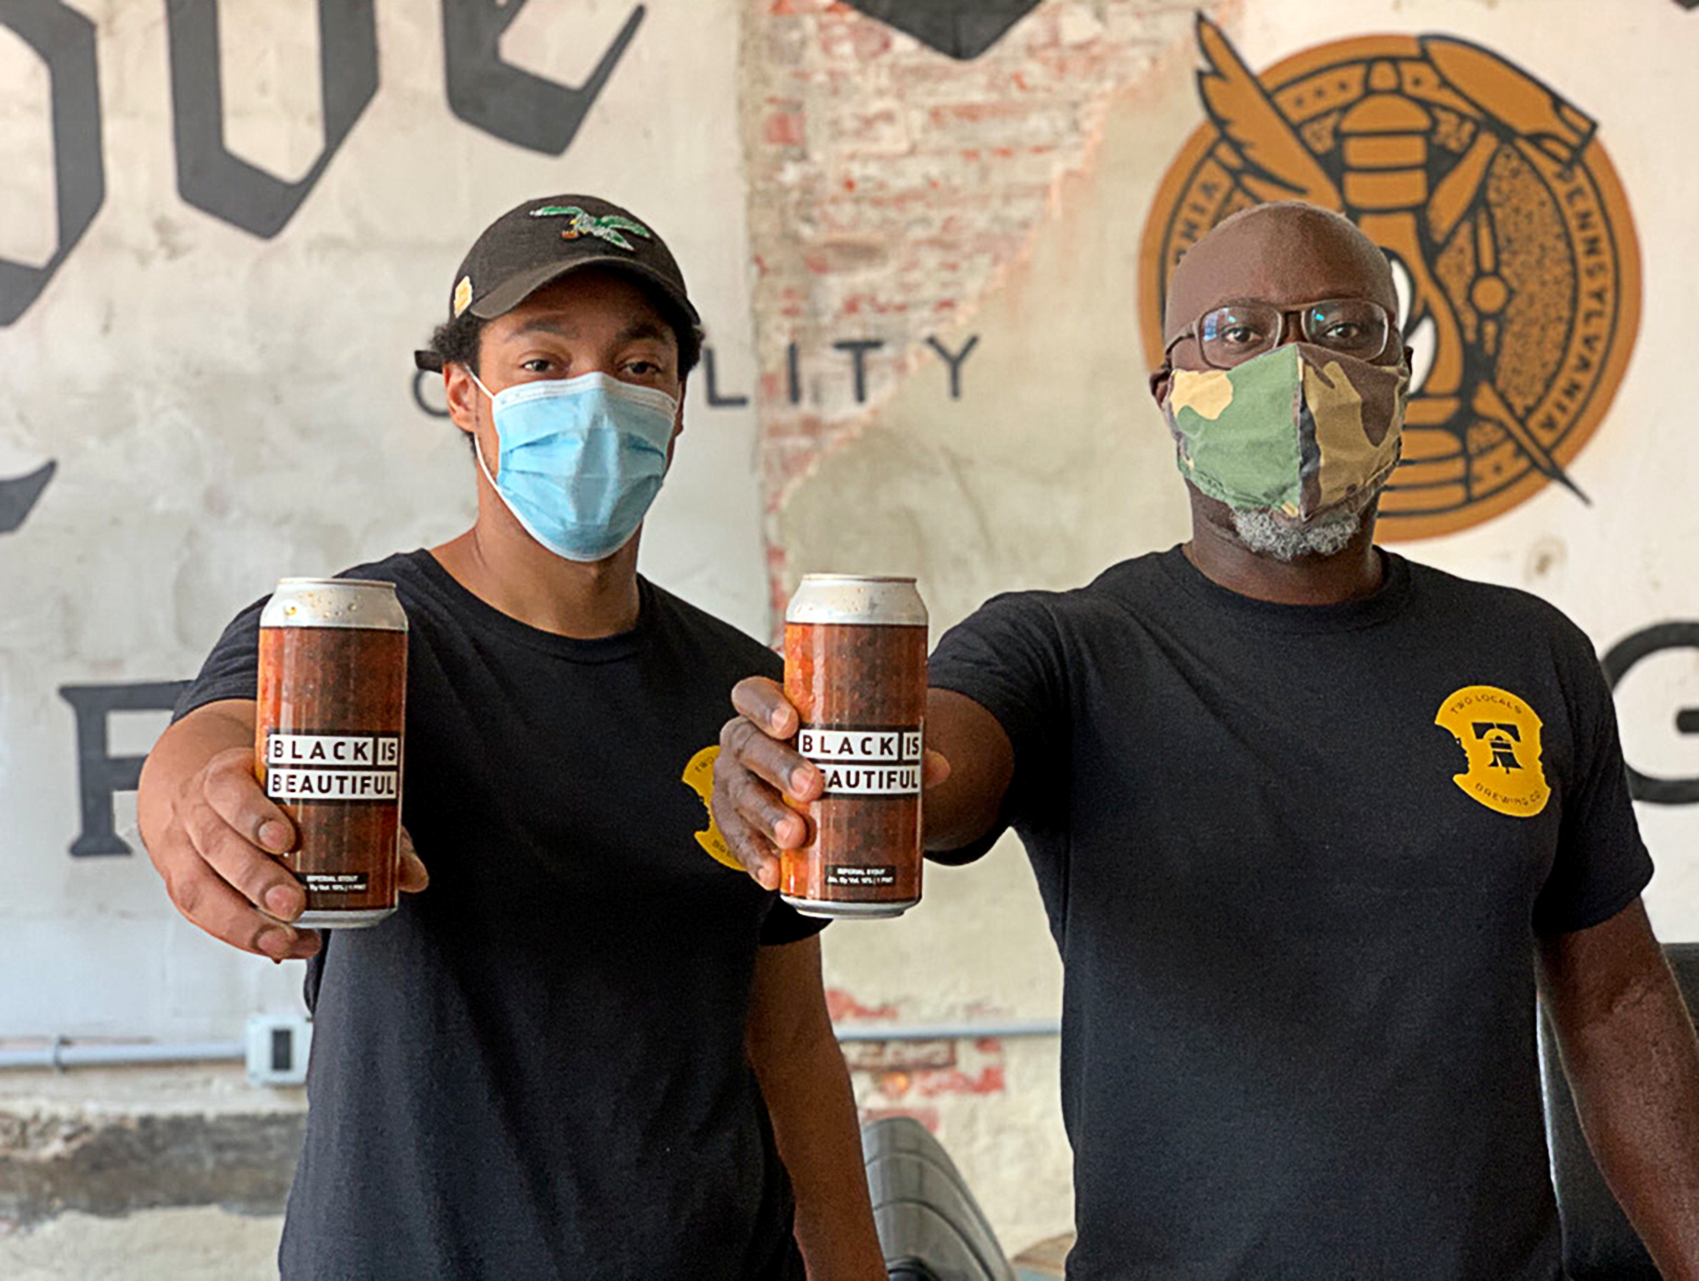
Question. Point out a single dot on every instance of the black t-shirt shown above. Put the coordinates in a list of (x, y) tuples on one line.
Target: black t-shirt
[(536, 1067), (1295, 859)]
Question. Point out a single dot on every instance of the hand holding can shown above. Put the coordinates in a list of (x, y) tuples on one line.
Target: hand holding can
[(328, 740), (855, 670)]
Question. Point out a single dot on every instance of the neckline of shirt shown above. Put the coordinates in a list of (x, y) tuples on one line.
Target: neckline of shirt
[(600, 649), (1385, 602)]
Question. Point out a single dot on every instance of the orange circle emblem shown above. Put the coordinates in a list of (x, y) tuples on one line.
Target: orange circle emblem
[(1510, 236)]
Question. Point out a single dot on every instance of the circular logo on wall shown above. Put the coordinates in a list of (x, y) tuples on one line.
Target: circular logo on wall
[(1509, 235)]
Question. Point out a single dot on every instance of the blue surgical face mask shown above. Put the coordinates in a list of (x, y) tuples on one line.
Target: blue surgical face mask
[(581, 459)]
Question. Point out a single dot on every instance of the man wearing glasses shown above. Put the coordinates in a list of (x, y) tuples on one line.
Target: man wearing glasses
[(1312, 824)]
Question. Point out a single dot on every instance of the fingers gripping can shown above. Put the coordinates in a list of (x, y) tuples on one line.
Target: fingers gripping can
[(855, 670), (327, 740)]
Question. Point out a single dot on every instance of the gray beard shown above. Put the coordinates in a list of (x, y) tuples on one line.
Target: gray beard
[(1268, 535)]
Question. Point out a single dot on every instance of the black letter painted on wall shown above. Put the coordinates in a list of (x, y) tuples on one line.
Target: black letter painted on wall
[(964, 29), (954, 361), (18, 495), (100, 775), (209, 176), (1623, 655), (503, 100), (716, 398), (65, 42)]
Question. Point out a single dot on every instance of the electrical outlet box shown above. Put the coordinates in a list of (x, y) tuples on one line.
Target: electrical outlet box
[(277, 1048)]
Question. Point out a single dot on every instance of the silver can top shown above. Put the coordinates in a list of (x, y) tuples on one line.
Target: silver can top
[(334, 602), (858, 599)]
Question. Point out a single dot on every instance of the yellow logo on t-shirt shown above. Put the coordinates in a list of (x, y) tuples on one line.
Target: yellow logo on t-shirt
[(1500, 736), (699, 776)]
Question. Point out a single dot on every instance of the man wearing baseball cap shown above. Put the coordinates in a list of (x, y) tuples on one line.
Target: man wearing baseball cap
[(590, 1049)]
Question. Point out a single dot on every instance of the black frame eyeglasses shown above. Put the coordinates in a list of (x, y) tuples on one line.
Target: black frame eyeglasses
[(1234, 332)]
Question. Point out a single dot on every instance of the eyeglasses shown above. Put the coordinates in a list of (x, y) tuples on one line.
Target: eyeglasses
[(1231, 334)]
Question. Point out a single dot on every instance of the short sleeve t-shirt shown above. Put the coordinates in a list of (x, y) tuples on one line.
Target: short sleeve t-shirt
[(536, 1067), (1296, 860)]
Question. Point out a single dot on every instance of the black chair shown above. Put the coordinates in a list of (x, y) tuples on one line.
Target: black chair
[(1599, 1244), (930, 1226)]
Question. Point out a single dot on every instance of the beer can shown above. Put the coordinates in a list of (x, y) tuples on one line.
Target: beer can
[(855, 670), (327, 740)]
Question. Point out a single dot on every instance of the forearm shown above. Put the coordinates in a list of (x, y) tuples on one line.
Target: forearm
[(812, 1107), (963, 808), (1632, 1059), (1635, 1076)]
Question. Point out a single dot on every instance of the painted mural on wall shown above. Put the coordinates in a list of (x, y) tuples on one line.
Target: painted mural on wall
[(483, 90), (1492, 192), (1505, 222)]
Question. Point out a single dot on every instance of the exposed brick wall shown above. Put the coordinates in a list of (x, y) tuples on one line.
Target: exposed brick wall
[(890, 185)]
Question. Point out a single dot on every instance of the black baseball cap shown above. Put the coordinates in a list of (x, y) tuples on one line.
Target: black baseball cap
[(547, 238)]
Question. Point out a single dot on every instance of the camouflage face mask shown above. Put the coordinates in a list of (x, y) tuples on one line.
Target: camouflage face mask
[(1300, 430)]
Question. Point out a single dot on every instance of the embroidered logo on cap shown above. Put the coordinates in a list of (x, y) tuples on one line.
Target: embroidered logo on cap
[(462, 296), (607, 227), (1500, 738)]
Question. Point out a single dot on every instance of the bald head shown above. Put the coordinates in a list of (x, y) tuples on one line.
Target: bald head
[(1285, 253)]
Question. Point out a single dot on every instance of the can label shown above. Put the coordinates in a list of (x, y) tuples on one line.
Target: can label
[(333, 767), (859, 878), (872, 761), (334, 882), (330, 711), (860, 692)]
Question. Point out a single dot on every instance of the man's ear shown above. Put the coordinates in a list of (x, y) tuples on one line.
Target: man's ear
[(461, 395), (1159, 380)]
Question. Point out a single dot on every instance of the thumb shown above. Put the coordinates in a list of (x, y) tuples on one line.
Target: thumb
[(934, 768), (413, 877)]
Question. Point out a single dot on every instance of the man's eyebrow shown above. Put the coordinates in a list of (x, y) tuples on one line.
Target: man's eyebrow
[(643, 329), (631, 333), (542, 325), (1338, 295)]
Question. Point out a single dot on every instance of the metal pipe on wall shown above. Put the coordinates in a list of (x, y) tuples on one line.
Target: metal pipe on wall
[(61, 1053), (946, 1031)]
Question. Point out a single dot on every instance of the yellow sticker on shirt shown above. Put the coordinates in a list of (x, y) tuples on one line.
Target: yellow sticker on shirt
[(699, 776), (1500, 736)]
